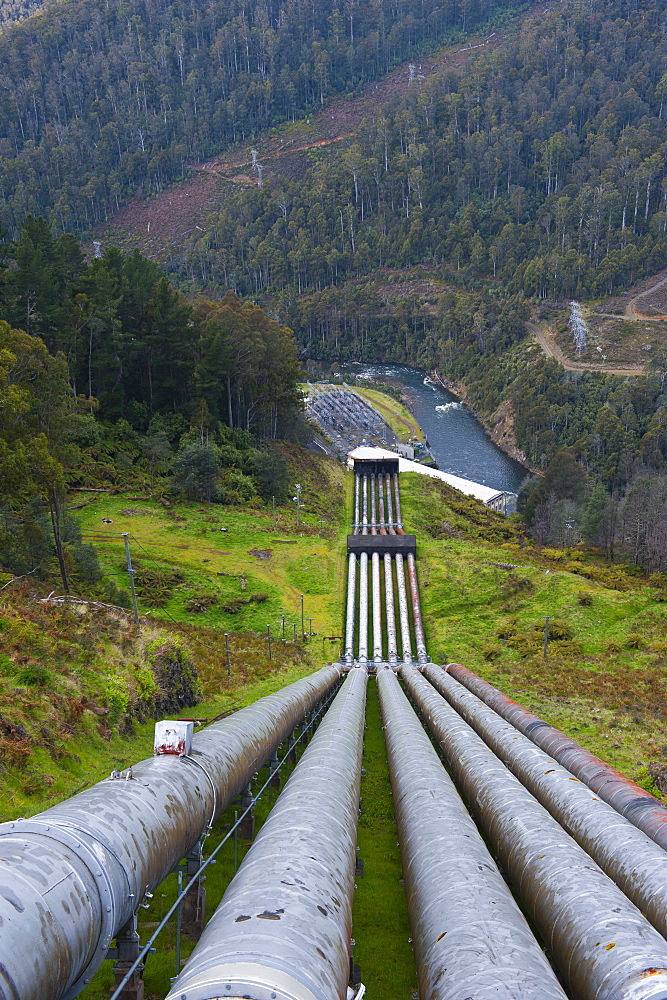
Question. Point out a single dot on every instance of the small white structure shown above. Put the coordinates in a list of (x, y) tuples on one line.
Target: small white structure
[(492, 498), (173, 736), (405, 450)]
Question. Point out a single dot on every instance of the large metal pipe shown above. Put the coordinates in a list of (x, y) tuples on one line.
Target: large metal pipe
[(390, 508), (355, 526), (637, 805), (381, 513), (72, 876), (392, 652), (363, 607), (283, 927), (420, 639), (406, 643), (603, 946), (373, 516), (469, 936), (628, 856), (397, 501), (377, 607), (364, 516), (351, 607)]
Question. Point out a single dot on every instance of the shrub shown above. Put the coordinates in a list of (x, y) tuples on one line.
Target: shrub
[(491, 652), (199, 603), (156, 584), (234, 604), (117, 697), (34, 676), (559, 629)]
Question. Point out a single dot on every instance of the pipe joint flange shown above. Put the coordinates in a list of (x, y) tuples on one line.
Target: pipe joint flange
[(97, 860), (242, 979)]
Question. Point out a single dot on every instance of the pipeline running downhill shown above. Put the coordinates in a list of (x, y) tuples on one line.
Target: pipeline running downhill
[(578, 910)]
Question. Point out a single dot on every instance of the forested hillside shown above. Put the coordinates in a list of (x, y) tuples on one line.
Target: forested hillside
[(538, 171), (110, 377), (97, 103)]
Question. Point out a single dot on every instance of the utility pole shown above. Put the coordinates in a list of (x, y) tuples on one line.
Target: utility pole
[(282, 618), (303, 631), (546, 636), (126, 539), (310, 626)]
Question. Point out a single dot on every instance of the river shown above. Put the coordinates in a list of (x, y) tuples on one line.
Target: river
[(457, 442)]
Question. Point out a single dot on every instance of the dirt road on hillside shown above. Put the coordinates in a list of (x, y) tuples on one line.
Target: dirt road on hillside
[(546, 341)]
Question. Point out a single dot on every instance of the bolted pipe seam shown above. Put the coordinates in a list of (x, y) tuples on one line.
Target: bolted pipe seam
[(283, 927), (603, 946), (72, 876)]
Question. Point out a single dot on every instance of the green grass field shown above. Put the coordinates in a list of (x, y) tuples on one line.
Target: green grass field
[(401, 421)]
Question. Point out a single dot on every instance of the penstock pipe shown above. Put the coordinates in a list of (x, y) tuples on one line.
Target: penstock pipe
[(628, 856), (603, 946), (638, 806), (470, 937), (71, 877), (283, 927)]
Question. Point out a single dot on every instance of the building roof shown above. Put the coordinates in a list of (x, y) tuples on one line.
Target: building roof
[(484, 493)]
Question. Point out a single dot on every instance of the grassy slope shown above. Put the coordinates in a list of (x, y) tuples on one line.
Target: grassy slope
[(401, 421), (64, 671), (605, 685), (280, 560)]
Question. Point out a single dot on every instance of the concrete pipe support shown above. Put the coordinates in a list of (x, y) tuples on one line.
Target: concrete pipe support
[(603, 946), (628, 856), (72, 876), (637, 805), (470, 938), (283, 928)]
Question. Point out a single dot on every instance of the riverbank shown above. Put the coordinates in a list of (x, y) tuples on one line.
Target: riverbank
[(499, 428)]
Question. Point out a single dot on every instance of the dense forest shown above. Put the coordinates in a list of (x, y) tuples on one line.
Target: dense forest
[(536, 176), (540, 171), (109, 376), (99, 103)]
